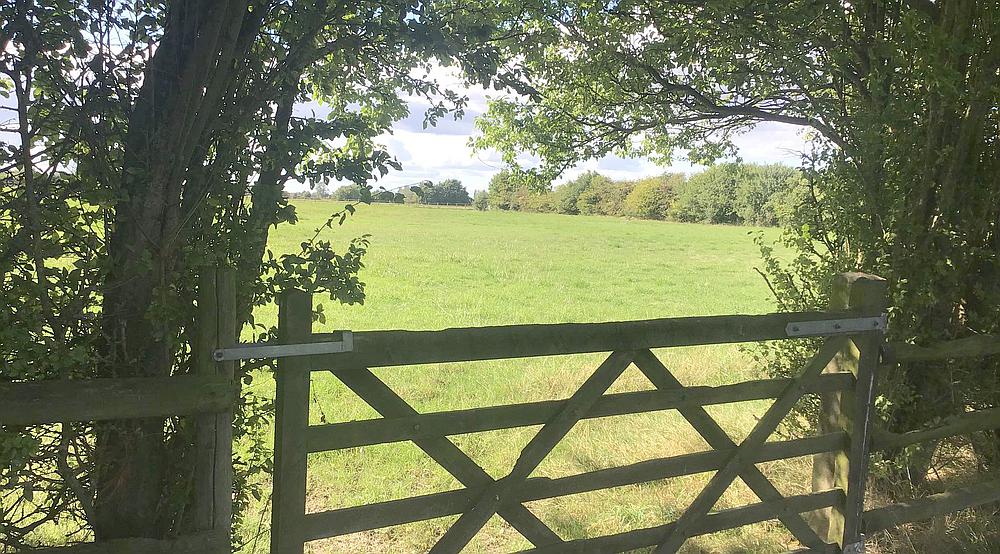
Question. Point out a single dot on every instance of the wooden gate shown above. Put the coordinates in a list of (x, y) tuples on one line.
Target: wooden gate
[(841, 370)]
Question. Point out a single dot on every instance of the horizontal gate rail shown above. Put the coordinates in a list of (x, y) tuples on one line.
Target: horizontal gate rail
[(355, 519), (368, 432), (969, 347), (395, 348), (932, 506), (55, 401), (962, 424)]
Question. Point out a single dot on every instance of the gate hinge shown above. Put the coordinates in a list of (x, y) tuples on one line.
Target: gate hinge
[(268, 350), (828, 327)]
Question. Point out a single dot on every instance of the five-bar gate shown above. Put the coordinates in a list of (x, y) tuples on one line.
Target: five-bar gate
[(842, 371)]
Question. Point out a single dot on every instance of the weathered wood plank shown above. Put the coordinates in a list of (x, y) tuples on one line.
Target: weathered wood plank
[(931, 506), (291, 417), (716, 437), (386, 402), (393, 348), (968, 347), (213, 472), (407, 510), (40, 402), (721, 480), (849, 410), (377, 431), (470, 522), (198, 543), (868, 294), (963, 424), (711, 523)]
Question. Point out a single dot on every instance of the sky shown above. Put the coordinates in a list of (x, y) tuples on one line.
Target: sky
[(442, 152)]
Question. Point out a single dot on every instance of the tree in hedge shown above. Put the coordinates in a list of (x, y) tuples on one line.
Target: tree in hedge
[(739, 194), (449, 191), (768, 194), (604, 197), (152, 140), (536, 201), (504, 187), (903, 181), (481, 200), (650, 198), (710, 196), (567, 194)]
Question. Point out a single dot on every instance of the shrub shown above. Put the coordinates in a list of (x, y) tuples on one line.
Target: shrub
[(767, 194), (567, 194), (509, 190), (502, 188), (481, 200), (709, 196), (605, 197), (746, 194), (527, 200), (651, 197)]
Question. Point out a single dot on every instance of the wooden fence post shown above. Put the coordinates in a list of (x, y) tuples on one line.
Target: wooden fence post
[(850, 411), (217, 327), (291, 417)]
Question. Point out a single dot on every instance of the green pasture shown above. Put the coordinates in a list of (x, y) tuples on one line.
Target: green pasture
[(433, 268)]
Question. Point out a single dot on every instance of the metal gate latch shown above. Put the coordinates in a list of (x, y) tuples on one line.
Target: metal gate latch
[(267, 350), (828, 327)]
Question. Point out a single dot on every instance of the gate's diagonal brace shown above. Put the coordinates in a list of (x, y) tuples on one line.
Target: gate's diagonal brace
[(716, 437), (719, 482), (462, 531), (385, 401)]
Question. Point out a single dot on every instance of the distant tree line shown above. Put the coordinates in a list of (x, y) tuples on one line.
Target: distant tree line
[(449, 192), (730, 193)]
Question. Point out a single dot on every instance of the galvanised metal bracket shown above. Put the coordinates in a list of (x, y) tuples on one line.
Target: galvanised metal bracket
[(829, 327), (855, 547), (266, 350)]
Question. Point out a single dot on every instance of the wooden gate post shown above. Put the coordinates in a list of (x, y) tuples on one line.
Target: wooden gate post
[(291, 417), (217, 327), (850, 411)]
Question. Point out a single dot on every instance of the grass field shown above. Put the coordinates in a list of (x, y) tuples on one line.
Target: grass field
[(432, 268)]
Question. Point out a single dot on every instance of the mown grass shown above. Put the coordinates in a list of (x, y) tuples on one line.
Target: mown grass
[(432, 268)]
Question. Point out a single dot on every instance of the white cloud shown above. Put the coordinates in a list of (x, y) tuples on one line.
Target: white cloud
[(442, 152)]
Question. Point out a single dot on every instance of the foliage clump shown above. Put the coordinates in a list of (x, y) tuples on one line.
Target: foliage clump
[(481, 200), (731, 193), (149, 142)]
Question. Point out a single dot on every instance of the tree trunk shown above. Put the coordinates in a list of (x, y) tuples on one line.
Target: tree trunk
[(190, 63)]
